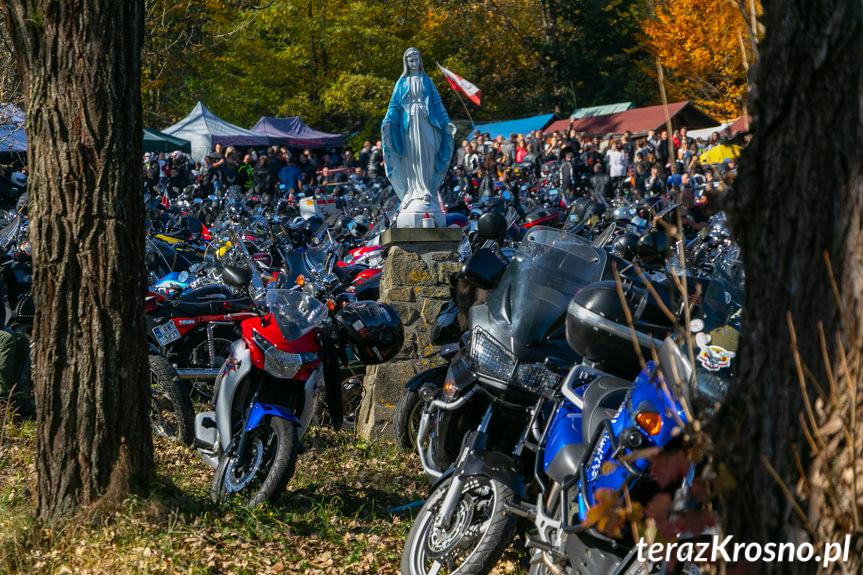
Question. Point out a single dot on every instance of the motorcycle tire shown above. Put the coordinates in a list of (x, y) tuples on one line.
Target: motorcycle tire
[(274, 446), (406, 420), (171, 411), (480, 530)]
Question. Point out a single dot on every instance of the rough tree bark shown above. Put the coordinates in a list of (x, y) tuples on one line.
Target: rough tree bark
[(800, 193), (80, 62)]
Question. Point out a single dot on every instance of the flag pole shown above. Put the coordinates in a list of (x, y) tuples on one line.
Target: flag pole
[(472, 125)]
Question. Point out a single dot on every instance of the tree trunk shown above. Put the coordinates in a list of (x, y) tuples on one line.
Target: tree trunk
[(81, 66), (799, 196)]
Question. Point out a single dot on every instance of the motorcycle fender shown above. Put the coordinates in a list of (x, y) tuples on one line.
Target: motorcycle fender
[(491, 464), (434, 375), (237, 367), (261, 410)]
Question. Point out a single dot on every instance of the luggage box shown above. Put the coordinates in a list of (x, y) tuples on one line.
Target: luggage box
[(597, 329), (322, 206)]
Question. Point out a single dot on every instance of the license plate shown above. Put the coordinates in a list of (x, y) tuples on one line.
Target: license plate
[(166, 333)]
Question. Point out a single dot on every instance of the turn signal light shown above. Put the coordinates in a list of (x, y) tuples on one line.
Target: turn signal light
[(649, 422), (301, 281), (331, 305)]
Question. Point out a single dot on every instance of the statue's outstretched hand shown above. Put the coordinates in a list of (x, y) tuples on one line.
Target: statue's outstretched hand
[(387, 138)]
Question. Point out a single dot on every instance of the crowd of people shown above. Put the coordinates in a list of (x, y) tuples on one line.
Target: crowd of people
[(650, 165)]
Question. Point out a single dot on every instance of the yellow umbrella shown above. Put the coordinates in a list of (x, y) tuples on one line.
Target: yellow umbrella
[(720, 153)]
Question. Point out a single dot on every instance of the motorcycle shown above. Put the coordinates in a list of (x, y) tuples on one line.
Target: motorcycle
[(599, 425), (268, 388)]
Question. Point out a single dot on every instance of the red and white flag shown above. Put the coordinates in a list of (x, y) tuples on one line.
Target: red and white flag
[(459, 84)]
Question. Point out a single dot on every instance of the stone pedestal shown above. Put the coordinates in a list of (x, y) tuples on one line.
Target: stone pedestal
[(415, 282)]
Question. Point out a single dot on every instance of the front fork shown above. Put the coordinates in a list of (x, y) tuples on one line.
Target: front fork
[(473, 443), (244, 433)]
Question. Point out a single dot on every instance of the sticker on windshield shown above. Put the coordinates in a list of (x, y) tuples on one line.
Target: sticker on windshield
[(696, 325)]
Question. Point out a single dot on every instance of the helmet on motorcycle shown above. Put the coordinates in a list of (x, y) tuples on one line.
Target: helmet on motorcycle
[(359, 225), (491, 226), (620, 214), (624, 246), (236, 211), (373, 330)]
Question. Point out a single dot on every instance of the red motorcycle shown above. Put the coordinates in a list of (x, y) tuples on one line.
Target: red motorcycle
[(270, 384)]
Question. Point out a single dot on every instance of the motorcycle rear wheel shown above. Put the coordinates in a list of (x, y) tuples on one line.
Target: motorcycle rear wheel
[(269, 465), (171, 411), (479, 531), (406, 420)]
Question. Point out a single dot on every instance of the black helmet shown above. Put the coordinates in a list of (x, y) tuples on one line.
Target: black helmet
[(491, 226), (373, 330), (236, 211), (625, 245), (653, 248)]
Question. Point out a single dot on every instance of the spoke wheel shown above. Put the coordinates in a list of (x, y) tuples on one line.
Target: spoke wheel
[(171, 411)]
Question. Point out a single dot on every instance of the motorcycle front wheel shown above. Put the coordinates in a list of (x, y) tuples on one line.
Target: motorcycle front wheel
[(264, 471), (472, 541)]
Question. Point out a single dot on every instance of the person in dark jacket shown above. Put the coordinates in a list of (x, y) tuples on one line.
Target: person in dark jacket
[(263, 178), (600, 181)]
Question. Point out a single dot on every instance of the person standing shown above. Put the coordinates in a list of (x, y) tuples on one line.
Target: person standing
[(617, 163)]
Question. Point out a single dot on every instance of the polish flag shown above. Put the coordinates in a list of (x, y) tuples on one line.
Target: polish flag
[(459, 84)]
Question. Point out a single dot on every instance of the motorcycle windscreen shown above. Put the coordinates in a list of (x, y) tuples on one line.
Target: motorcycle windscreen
[(549, 268), (294, 312)]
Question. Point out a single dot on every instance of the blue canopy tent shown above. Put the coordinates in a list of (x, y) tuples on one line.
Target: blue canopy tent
[(522, 126), (294, 133), (13, 139), (204, 129)]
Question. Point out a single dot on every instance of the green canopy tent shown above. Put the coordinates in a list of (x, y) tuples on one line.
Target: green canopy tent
[(160, 142)]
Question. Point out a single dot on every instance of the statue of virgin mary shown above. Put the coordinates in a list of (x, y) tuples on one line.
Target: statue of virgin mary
[(417, 136)]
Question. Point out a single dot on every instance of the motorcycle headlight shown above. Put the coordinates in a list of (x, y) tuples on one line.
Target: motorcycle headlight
[(278, 363), (489, 357), (536, 376), (281, 364)]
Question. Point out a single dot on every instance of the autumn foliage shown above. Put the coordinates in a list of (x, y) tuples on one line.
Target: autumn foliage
[(699, 44)]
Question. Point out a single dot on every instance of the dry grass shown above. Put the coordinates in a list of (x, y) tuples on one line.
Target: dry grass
[(334, 518)]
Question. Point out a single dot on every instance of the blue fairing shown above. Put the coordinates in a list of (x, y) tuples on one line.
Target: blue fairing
[(259, 411), (646, 393), (564, 429)]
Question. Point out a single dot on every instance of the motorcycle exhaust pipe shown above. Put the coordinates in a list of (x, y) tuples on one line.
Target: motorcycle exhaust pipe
[(198, 373)]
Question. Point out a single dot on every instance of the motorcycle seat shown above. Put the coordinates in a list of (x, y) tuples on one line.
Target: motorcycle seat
[(602, 398), (178, 309)]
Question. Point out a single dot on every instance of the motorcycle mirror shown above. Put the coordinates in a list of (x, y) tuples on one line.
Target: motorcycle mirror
[(507, 195), (212, 197)]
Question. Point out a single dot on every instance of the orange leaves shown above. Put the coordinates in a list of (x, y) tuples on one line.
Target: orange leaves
[(608, 514), (699, 45)]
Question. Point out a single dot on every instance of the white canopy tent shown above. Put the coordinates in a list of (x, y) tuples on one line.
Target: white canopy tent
[(204, 130)]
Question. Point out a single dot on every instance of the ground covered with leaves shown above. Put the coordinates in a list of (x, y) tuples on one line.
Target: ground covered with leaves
[(344, 512)]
